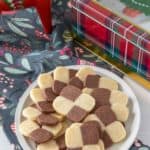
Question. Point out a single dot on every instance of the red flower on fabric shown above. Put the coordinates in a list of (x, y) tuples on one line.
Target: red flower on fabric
[(13, 127)]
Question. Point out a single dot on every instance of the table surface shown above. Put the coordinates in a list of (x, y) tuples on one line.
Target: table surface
[(143, 97)]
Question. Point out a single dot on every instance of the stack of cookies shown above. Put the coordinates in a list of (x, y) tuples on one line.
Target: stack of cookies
[(75, 110)]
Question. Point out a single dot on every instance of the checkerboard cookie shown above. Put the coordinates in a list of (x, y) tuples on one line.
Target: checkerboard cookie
[(96, 81), (105, 115), (108, 97), (33, 111), (40, 133), (52, 125), (38, 95), (116, 99), (109, 124), (108, 114), (34, 114), (81, 76), (73, 104), (27, 126), (32, 130), (62, 76), (83, 136), (39, 124), (45, 82)]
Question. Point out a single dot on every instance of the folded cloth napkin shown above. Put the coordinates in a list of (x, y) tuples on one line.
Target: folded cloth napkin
[(26, 51)]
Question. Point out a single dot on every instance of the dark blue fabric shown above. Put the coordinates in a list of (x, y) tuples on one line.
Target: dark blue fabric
[(26, 51)]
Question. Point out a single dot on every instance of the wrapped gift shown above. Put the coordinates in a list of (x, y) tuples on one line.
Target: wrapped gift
[(120, 29)]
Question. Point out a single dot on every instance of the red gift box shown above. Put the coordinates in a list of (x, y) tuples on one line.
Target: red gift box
[(119, 38)]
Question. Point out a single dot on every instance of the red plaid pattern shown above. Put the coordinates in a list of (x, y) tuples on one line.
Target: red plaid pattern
[(116, 35)]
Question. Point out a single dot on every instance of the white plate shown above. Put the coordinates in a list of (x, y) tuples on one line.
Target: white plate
[(132, 125)]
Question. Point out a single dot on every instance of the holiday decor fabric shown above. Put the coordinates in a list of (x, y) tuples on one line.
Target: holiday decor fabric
[(125, 10), (141, 5), (118, 37), (26, 51), (15, 4), (43, 8)]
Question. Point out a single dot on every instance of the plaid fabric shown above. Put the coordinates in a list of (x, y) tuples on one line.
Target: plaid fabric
[(117, 36)]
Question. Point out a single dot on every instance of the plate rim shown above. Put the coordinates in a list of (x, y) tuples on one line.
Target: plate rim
[(22, 100)]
